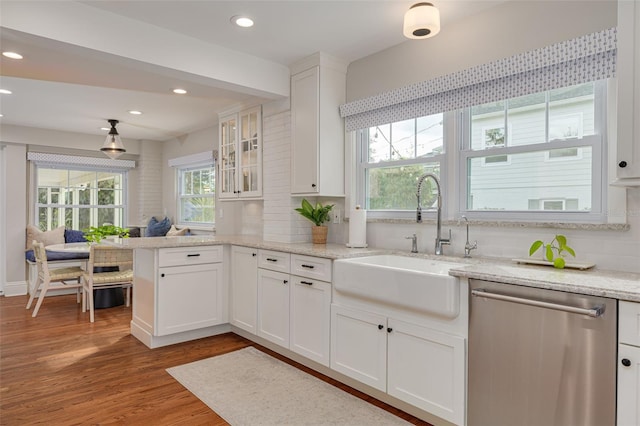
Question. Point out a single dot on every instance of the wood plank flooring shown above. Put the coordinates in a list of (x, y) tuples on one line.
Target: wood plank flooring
[(59, 369)]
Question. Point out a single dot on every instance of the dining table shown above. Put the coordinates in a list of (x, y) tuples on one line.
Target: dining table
[(104, 297)]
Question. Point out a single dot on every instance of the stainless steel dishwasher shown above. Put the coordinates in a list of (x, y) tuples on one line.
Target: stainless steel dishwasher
[(540, 357)]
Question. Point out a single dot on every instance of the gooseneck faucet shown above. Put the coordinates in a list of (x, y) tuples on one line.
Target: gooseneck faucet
[(439, 240), (468, 246)]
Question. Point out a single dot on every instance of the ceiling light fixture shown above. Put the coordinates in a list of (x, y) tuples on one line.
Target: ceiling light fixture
[(112, 146), (12, 55), (422, 20), (180, 91), (242, 21), (135, 112)]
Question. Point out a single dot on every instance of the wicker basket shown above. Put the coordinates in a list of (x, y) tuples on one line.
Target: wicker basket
[(319, 234)]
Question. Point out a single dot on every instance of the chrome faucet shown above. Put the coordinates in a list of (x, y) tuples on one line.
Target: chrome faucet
[(468, 246), (439, 240), (414, 243)]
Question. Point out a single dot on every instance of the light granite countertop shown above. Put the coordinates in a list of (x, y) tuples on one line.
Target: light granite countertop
[(617, 285)]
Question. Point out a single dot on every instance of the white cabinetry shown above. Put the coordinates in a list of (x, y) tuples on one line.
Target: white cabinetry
[(294, 310), (179, 294), (318, 87), (628, 364), (240, 163), (244, 287), (628, 76), (416, 364)]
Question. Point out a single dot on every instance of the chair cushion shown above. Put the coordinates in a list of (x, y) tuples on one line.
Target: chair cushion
[(110, 277), (174, 232), (55, 236), (65, 273), (57, 255), (74, 236), (157, 228)]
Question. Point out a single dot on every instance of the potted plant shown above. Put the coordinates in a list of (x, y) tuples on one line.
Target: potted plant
[(95, 234), (318, 215), (557, 245)]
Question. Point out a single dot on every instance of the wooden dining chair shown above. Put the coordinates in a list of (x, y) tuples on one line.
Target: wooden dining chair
[(47, 276), (102, 257)]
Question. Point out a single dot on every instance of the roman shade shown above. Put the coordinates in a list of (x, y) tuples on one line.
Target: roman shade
[(580, 60), (43, 159)]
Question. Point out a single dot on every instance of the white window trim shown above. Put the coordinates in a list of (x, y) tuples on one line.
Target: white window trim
[(187, 163)]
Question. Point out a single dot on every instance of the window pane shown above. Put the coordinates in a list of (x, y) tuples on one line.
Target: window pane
[(430, 135), (198, 209), (403, 140), (380, 143), (528, 181), (487, 125), (571, 112), (394, 188), (526, 118)]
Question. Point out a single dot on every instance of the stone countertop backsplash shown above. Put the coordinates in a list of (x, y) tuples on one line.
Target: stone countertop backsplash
[(617, 285)]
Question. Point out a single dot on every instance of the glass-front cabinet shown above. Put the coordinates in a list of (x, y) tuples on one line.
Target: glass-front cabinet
[(241, 154)]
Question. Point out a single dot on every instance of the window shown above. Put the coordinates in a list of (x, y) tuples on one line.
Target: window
[(550, 159), (196, 195), (79, 198), (392, 157)]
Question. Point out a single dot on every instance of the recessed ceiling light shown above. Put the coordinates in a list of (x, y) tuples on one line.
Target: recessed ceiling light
[(134, 112), (12, 55), (179, 91), (242, 21), (5, 91)]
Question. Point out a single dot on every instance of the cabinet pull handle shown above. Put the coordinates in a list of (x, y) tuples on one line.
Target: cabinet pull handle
[(271, 260), (193, 255), (626, 362), (162, 275), (380, 326), (307, 266), (306, 282), (285, 281), (389, 330)]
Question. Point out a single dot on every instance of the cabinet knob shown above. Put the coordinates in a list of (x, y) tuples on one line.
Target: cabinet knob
[(285, 281), (254, 254), (622, 164), (313, 185), (380, 326), (389, 330), (626, 362), (162, 275)]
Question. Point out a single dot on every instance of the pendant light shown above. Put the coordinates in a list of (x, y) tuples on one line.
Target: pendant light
[(422, 20), (112, 146)]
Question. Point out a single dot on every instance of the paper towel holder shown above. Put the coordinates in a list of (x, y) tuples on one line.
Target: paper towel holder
[(357, 244)]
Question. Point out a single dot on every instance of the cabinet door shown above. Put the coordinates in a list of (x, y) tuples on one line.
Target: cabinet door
[(305, 131), (227, 166), (189, 297), (628, 385), (244, 288), (310, 318), (628, 76), (273, 306), (359, 345), (426, 368), (250, 154)]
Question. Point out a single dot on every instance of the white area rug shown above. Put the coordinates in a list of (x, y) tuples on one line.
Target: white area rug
[(249, 387)]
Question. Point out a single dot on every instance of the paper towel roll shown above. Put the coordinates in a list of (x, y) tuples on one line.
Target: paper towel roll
[(358, 228)]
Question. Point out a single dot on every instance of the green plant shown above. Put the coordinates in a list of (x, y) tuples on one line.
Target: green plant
[(557, 245), (95, 234), (318, 214)]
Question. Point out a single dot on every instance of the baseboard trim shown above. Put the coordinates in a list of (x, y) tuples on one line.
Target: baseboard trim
[(15, 288)]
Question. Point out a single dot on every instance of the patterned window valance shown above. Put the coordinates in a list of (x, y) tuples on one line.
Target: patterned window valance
[(72, 161), (587, 58)]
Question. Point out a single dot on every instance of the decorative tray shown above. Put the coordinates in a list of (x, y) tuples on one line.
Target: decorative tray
[(569, 265)]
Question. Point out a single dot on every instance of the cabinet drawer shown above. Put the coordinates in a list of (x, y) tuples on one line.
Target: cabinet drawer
[(274, 260), (311, 267), (189, 255), (629, 323)]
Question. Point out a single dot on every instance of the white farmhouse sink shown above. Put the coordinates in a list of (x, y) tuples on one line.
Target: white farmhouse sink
[(421, 285)]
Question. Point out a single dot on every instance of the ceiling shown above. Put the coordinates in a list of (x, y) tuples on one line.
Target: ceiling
[(62, 84)]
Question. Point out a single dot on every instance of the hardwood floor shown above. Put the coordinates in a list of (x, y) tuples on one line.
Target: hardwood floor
[(59, 369)]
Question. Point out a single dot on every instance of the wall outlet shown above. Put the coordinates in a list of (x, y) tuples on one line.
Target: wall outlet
[(336, 216)]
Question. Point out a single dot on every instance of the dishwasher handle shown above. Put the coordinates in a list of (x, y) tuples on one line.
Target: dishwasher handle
[(594, 312)]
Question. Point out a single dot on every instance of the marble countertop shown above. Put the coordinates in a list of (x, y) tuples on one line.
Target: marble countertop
[(618, 285)]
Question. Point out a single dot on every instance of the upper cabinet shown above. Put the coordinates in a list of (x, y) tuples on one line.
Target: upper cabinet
[(318, 86), (241, 155), (628, 111)]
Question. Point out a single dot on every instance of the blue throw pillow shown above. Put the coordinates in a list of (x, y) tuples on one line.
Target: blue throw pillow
[(73, 236), (157, 228)]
